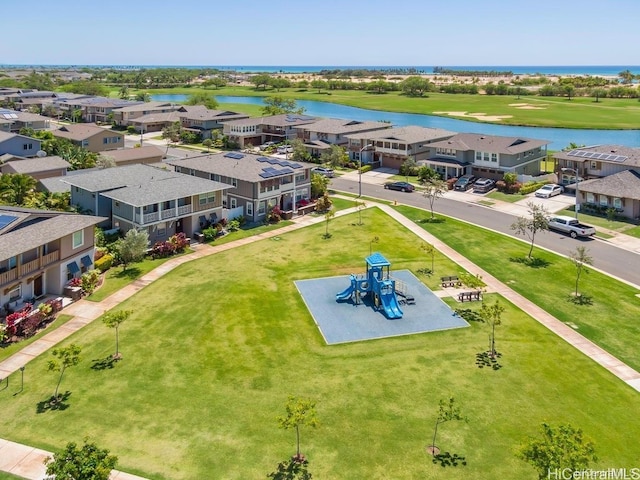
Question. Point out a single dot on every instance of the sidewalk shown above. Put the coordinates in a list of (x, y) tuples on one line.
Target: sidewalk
[(27, 462)]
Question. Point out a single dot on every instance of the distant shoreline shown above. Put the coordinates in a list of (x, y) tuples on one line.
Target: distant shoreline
[(547, 70)]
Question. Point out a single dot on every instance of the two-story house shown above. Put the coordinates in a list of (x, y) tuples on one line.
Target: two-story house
[(255, 183), (200, 120), (14, 121), (608, 177), (148, 198), (124, 116), (489, 156), (320, 135), (92, 109), (391, 147), (91, 137), (40, 251), (19, 145), (256, 131)]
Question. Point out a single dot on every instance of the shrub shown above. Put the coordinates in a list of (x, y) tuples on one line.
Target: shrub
[(210, 233), (162, 250), (89, 281), (104, 262), (324, 203), (234, 225), (274, 215), (131, 129), (530, 187), (75, 282), (366, 168), (179, 242)]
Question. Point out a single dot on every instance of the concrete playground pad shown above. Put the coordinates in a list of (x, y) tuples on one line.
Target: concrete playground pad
[(342, 322)]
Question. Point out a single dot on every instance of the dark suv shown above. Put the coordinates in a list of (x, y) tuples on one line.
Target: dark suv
[(465, 182)]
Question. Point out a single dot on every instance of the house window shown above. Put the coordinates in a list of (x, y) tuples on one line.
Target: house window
[(250, 209), (162, 228), (594, 165), (105, 140), (15, 293), (78, 239), (617, 203), (27, 146), (234, 202), (486, 156), (494, 157), (85, 143), (604, 200), (12, 263), (234, 182), (261, 208), (591, 198), (205, 198), (478, 156)]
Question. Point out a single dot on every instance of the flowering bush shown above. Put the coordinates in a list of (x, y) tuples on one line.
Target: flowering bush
[(179, 242), (75, 282), (275, 215)]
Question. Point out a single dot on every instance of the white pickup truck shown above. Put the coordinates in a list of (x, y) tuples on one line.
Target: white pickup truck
[(571, 226)]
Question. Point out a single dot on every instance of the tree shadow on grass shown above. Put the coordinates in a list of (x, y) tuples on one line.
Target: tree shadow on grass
[(425, 271), (50, 405), (104, 363), (431, 220), (446, 459), (580, 299), (531, 262), (484, 359), (130, 273)]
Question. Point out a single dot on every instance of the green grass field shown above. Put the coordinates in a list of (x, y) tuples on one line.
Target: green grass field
[(581, 112), (214, 348)]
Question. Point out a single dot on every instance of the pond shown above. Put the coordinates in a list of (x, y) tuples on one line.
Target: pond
[(559, 138)]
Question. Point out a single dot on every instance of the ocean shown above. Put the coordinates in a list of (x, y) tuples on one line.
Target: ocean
[(554, 70)]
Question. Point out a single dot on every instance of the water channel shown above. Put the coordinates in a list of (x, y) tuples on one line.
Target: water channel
[(559, 138)]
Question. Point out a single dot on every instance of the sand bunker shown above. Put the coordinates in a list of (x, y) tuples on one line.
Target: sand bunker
[(528, 106), (478, 116)]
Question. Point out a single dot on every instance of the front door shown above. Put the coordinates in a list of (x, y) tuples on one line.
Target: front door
[(37, 286)]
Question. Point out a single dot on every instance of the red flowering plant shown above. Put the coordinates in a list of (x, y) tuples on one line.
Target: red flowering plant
[(75, 282)]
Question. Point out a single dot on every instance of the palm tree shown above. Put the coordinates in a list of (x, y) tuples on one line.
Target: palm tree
[(124, 92)]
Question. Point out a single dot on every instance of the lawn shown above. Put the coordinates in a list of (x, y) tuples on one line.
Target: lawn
[(580, 112), (116, 278), (202, 382), (551, 284), (11, 348), (506, 197)]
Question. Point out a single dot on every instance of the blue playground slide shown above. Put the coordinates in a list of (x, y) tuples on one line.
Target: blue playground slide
[(390, 304), (349, 291)]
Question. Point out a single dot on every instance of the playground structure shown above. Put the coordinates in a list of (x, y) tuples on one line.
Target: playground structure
[(377, 283)]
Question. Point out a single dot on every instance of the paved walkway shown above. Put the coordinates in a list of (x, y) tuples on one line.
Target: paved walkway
[(27, 462)]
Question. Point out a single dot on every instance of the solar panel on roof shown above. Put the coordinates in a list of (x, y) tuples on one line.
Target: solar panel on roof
[(234, 155), (295, 165), (6, 220), (265, 175), (262, 159), (285, 171)]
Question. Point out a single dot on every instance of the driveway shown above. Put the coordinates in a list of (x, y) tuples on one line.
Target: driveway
[(553, 204)]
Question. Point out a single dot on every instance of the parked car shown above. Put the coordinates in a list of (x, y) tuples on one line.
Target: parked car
[(327, 172), (464, 183), (285, 149), (266, 145), (550, 190), (484, 185), (570, 225), (401, 186)]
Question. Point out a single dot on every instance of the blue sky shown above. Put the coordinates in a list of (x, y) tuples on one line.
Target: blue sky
[(329, 32)]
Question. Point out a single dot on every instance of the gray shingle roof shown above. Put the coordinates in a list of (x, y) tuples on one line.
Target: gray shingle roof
[(38, 164), (247, 168), (284, 120), (147, 106), (338, 126), (632, 154), (141, 184), (490, 143), (625, 184), (53, 185), (410, 134), (48, 230), (81, 131), (128, 154)]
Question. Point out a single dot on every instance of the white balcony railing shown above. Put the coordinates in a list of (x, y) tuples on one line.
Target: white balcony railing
[(184, 210)]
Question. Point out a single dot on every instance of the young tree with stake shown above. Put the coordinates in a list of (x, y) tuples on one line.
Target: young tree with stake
[(65, 358), (300, 411), (529, 227), (114, 320)]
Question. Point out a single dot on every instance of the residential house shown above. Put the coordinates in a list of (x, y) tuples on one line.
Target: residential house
[(489, 156), (148, 198), (14, 121), (391, 147), (37, 167), (91, 137), (320, 135), (255, 183), (256, 131), (130, 156), (19, 145), (92, 109), (200, 120), (40, 251), (124, 116), (607, 174)]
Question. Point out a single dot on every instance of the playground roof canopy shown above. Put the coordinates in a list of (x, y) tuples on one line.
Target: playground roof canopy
[(377, 260)]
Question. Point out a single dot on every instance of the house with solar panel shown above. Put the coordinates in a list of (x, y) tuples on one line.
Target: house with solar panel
[(488, 156), (92, 109), (258, 130), (18, 145), (146, 197), (255, 183), (14, 121), (608, 177), (40, 252)]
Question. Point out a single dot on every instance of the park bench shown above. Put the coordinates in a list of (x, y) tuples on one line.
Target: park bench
[(469, 296), (450, 281)]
